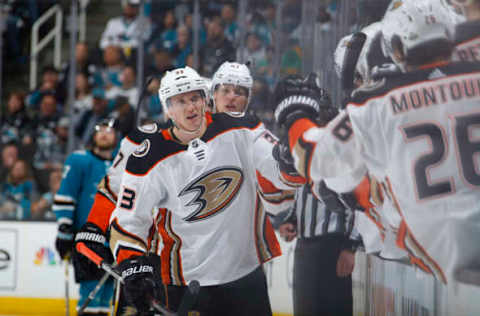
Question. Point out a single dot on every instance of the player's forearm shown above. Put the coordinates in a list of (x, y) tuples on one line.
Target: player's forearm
[(101, 211)]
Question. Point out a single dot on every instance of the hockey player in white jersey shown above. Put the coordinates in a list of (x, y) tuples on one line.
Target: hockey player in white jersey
[(274, 200), (415, 133), (203, 169), (231, 91)]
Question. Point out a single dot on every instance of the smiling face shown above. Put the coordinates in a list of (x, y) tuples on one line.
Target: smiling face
[(230, 98), (187, 110)]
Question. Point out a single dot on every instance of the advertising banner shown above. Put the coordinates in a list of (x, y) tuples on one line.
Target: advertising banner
[(8, 259), (34, 269)]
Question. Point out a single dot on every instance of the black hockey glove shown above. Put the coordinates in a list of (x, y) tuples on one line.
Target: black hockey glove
[(94, 238), (282, 155), (64, 240), (296, 97), (139, 281)]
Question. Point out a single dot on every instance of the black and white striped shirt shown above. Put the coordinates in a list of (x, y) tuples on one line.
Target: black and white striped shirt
[(326, 215)]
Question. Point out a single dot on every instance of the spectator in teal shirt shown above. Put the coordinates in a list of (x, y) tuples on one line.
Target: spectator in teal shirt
[(16, 193)]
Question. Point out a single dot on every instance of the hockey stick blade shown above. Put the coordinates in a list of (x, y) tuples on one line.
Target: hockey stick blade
[(189, 298)]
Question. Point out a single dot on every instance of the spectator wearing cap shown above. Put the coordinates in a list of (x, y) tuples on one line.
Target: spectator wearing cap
[(126, 31), (85, 127), (217, 48)]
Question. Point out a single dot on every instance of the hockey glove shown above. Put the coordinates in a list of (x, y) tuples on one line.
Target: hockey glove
[(139, 281), (281, 153), (64, 240), (94, 238), (296, 97)]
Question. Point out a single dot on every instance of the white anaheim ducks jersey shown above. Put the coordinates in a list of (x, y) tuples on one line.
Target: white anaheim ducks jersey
[(467, 42), (110, 185), (211, 218), (419, 135)]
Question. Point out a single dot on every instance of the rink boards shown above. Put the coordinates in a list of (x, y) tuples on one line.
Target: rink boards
[(32, 276)]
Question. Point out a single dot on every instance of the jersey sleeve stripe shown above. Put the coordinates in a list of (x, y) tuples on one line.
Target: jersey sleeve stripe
[(266, 245), (271, 239), (56, 207), (119, 237), (170, 255), (125, 252), (418, 254), (109, 189), (64, 199)]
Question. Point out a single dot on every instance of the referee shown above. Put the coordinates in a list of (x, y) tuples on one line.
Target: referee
[(324, 254)]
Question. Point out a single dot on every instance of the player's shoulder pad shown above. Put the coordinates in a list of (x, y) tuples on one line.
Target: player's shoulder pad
[(223, 122), (151, 151), (139, 133), (382, 87)]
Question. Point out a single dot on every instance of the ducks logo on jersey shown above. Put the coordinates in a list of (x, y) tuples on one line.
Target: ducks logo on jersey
[(213, 191)]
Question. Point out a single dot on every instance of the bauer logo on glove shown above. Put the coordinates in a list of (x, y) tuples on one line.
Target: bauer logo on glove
[(137, 269)]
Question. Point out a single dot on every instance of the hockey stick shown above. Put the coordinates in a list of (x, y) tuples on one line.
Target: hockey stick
[(94, 292), (66, 262), (143, 93), (187, 301)]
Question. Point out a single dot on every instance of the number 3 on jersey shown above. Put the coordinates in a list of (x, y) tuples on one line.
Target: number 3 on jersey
[(128, 199), (467, 148)]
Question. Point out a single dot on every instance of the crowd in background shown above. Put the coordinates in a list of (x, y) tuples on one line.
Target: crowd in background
[(34, 130)]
